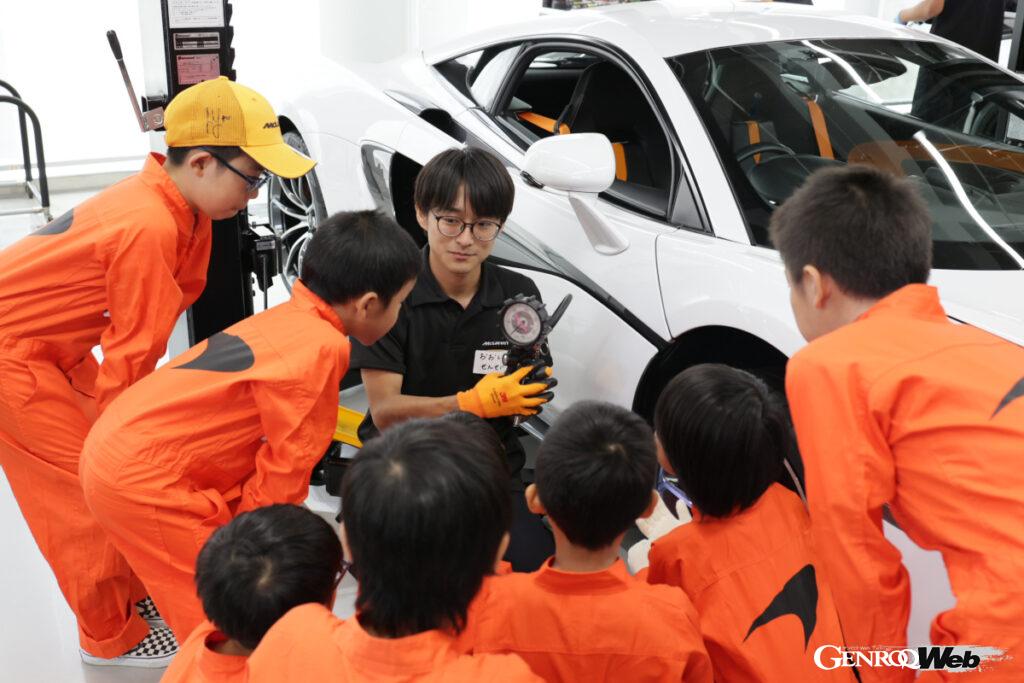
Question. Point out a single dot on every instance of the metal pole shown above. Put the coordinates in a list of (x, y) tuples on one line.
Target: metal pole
[(24, 132)]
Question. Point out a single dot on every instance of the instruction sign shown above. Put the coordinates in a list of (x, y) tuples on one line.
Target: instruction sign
[(195, 13), (194, 69)]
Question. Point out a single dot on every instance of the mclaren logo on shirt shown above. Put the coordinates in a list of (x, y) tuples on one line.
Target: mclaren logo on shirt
[(798, 597), (57, 225), (1016, 392), (223, 353)]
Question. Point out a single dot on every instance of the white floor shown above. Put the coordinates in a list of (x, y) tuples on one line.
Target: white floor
[(38, 636)]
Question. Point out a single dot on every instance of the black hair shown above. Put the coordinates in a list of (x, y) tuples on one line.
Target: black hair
[(489, 188), (867, 229), (176, 156), (487, 439), (424, 513), (355, 252), (595, 472), (726, 434), (264, 562)]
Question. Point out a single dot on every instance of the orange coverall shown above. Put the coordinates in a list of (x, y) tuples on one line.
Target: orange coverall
[(906, 408), (592, 626), (764, 607), (311, 644), (235, 423), (196, 662), (116, 271)]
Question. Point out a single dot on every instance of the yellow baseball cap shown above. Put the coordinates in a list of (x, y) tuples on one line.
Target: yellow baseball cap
[(220, 112)]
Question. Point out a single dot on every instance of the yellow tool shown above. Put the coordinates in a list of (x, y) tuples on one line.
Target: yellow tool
[(347, 428)]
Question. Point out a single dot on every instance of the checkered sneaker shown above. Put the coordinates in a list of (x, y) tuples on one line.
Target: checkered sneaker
[(154, 652), (148, 611)]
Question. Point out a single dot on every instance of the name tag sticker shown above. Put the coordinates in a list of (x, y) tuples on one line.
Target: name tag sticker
[(485, 362)]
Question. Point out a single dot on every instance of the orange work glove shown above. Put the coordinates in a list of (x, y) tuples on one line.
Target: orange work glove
[(498, 395)]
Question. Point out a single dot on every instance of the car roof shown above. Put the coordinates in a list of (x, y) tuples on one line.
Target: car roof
[(674, 27)]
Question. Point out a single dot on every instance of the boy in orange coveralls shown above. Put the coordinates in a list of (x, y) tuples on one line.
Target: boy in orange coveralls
[(582, 617), (116, 272), (426, 517), (248, 575), (746, 559), (896, 405), (239, 421)]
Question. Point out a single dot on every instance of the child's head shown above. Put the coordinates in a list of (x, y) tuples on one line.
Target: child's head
[(363, 264), (724, 434), (595, 473), (426, 516), (459, 186), (253, 570), (851, 234), (223, 140), (487, 438)]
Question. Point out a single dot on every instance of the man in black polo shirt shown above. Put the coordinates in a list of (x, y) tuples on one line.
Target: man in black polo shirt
[(446, 351), (975, 24)]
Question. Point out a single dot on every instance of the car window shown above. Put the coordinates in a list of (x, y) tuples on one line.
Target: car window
[(930, 112), (564, 91), (478, 75)]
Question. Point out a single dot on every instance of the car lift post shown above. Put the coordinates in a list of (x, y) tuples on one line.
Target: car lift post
[(194, 39)]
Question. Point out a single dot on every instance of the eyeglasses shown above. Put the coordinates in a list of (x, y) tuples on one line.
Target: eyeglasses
[(482, 231), (252, 183)]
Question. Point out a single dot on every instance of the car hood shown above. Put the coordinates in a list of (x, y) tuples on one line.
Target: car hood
[(990, 299)]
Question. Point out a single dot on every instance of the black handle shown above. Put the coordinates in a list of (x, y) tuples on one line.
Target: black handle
[(115, 45)]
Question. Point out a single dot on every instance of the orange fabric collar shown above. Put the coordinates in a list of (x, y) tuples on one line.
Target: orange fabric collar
[(417, 654), (919, 301), (615, 579), (307, 300), (772, 491), (215, 666), (154, 175)]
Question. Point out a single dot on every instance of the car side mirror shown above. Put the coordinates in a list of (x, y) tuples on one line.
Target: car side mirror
[(577, 162), (582, 165)]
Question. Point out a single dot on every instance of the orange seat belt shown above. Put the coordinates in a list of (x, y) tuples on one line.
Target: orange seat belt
[(820, 129), (754, 134), (543, 122), (620, 161)]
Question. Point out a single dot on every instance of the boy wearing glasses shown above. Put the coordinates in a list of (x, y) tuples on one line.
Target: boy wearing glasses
[(116, 272), (248, 575), (446, 351), (239, 421)]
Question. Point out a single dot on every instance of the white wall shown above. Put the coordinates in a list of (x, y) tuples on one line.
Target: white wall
[(56, 54)]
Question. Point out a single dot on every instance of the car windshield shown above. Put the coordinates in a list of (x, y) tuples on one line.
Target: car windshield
[(931, 112)]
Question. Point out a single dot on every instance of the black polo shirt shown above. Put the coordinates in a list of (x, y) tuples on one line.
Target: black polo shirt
[(975, 24), (441, 349)]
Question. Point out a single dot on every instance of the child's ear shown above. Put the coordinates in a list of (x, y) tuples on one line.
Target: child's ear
[(663, 456), (422, 218), (817, 286), (533, 500), (367, 305), (344, 542), (199, 162), (650, 506)]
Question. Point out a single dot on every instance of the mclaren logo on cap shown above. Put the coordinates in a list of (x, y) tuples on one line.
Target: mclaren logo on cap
[(272, 124), (798, 597)]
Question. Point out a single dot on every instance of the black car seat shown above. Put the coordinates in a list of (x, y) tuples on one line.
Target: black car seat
[(607, 100)]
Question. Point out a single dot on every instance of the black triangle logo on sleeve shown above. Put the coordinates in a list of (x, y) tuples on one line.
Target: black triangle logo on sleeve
[(798, 597), (57, 225), (223, 353), (1016, 392)]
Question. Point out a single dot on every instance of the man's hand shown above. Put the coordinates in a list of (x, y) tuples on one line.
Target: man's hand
[(499, 395)]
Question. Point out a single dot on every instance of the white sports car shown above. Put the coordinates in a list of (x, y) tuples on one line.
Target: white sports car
[(649, 144)]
